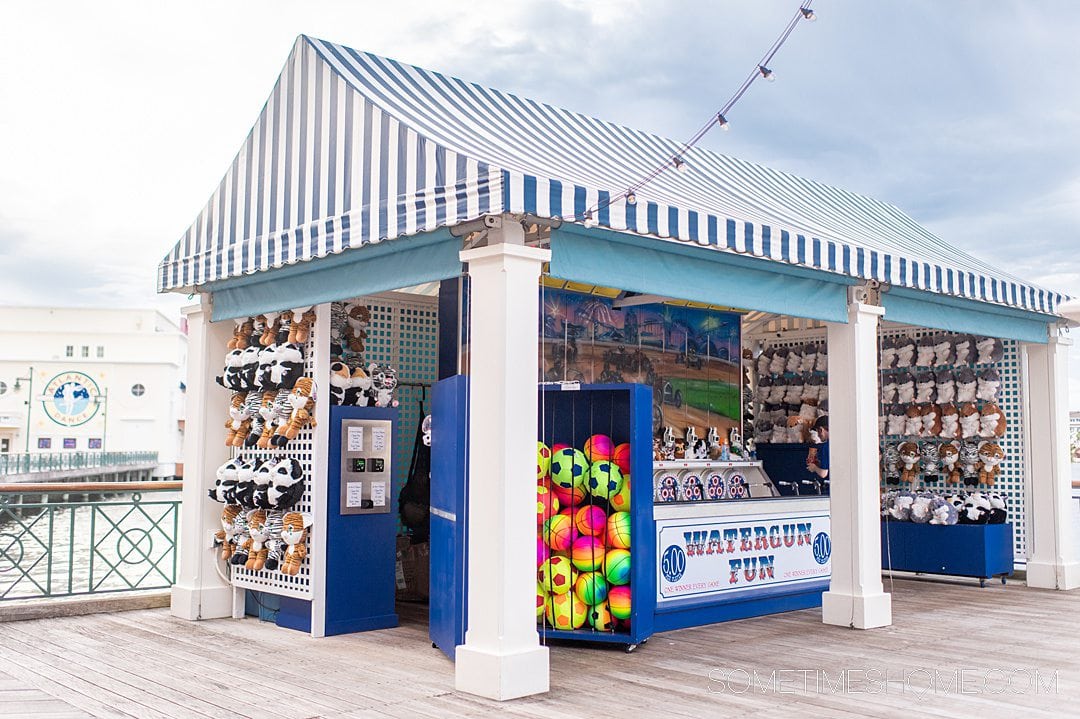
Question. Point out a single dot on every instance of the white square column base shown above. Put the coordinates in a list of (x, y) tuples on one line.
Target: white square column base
[(1046, 575), (201, 602), (501, 676), (867, 611)]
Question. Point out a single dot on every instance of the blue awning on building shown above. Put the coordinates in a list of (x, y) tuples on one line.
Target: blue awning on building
[(353, 149)]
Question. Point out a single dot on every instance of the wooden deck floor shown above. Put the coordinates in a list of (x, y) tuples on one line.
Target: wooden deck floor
[(148, 664)]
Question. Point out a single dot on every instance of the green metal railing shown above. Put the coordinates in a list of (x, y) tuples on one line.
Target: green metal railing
[(109, 544), (27, 463)]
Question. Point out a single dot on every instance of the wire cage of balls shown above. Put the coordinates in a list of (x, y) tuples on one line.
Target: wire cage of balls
[(583, 514)]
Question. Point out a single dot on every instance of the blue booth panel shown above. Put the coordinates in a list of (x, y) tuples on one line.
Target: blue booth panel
[(965, 550), (448, 580)]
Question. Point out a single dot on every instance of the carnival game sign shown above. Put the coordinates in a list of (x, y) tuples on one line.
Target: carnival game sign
[(68, 398), (740, 554)]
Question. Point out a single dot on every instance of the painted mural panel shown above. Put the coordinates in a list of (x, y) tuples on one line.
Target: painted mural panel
[(690, 356)]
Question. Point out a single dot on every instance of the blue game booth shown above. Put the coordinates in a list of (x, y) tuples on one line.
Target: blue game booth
[(425, 245)]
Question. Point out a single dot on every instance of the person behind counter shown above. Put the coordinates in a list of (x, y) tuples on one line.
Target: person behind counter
[(817, 461)]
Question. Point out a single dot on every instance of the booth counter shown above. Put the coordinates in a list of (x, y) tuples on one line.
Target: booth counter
[(741, 550)]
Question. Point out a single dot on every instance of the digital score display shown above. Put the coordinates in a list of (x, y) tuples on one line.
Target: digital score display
[(359, 464)]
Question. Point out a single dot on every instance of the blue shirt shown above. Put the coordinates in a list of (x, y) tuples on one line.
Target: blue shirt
[(823, 455)]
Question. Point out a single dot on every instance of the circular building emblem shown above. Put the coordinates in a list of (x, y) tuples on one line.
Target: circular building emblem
[(69, 399)]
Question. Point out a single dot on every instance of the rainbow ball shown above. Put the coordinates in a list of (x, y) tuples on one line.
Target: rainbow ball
[(599, 617), (547, 504), (599, 447), (590, 520), (617, 568), (588, 553), (620, 502), (542, 551), (541, 600), (568, 468), (556, 575), (543, 460), (621, 457), (605, 479), (619, 602), (566, 611), (559, 532), (591, 587), (618, 530), (572, 497)]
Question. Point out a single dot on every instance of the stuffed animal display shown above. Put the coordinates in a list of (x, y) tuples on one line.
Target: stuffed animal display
[(942, 509), (940, 392), (294, 534), (256, 494), (791, 392), (355, 382)]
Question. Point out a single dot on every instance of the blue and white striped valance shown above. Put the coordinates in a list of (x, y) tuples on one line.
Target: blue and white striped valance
[(353, 148)]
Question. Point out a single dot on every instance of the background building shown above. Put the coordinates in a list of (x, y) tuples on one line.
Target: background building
[(74, 379)]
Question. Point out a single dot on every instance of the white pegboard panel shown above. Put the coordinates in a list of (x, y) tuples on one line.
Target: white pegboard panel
[(1010, 481), (303, 449)]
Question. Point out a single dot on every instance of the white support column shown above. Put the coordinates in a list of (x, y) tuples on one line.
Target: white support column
[(1052, 554), (320, 502), (502, 657), (856, 597), (199, 592)]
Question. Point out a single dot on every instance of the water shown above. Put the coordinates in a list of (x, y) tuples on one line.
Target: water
[(106, 546)]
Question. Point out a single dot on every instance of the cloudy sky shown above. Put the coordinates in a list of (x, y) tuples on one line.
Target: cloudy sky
[(119, 118)]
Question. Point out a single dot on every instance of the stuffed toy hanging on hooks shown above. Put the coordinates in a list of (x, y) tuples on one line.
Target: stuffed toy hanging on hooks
[(294, 534), (302, 403), (909, 458), (887, 355), (949, 456), (943, 351), (990, 457), (924, 351), (989, 350)]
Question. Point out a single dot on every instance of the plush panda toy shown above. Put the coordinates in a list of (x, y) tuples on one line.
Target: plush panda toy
[(249, 367), (263, 373), (340, 380), (286, 484), (232, 377), (999, 509), (245, 484), (224, 488), (288, 365)]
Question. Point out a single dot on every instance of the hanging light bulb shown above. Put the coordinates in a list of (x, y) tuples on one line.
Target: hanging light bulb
[(722, 122), (808, 14), (680, 164), (590, 221), (631, 198), (766, 73)]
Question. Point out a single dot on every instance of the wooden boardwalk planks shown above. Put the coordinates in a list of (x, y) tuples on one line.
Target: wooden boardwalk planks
[(148, 664)]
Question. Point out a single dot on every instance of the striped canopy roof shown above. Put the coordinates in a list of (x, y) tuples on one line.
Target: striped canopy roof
[(353, 148)]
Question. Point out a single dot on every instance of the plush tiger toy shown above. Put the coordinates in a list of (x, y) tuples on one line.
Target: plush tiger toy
[(270, 325), (275, 414), (294, 533), (224, 536), (256, 541), (302, 402), (300, 329)]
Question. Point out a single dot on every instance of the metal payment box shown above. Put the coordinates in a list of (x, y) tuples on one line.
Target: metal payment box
[(366, 481)]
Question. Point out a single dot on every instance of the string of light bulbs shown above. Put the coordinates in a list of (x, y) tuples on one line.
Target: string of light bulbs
[(717, 119)]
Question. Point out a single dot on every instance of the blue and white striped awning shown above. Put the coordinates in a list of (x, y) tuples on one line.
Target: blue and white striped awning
[(352, 148)]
